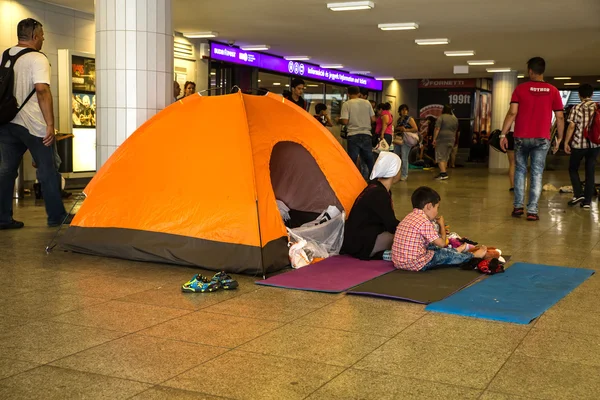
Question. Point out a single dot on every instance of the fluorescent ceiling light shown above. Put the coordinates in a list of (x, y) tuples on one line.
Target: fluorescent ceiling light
[(214, 73), (385, 78), (198, 35), (398, 27), (297, 58), (562, 78), (287, 85), (257, 47), (429, 42), (351, 6), (312, 85), (460, 53), (521, 76), (332, 66), (572, 84), (482, 62), (276, 84), (498, 69), (360, 72)]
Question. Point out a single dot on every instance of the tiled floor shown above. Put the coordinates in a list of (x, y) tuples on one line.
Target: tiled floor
[(75, 326)]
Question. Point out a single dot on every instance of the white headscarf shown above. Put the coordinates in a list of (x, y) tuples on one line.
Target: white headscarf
[(387, 166)]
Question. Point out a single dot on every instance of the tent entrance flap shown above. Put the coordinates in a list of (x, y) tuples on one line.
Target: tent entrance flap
[(298, 180)]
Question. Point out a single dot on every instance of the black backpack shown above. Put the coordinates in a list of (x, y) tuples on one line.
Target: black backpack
[(9, 108)]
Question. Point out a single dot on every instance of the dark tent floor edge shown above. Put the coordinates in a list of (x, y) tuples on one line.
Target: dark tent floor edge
[(167, 248)]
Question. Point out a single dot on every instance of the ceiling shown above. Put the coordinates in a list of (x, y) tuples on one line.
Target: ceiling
[(565, 32)]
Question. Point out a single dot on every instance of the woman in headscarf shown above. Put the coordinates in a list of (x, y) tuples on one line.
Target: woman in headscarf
[(370, 228)]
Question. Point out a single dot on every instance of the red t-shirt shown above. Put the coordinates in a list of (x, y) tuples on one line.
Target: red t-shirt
[(537, 101)]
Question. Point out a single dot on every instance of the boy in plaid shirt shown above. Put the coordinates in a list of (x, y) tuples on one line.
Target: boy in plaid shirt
[(417, 245)]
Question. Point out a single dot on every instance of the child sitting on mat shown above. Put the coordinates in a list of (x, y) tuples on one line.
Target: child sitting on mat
[(417, 245)]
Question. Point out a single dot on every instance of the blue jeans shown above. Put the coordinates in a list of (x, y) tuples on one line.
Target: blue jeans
[(403, 151), (361, 145), (15, 140), (446, 257), (537, 150)]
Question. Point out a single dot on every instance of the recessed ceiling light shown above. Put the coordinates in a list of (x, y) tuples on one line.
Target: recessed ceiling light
[(332, 66), (572, 84), (259, 80), (521, 76), (460, 53), (405, 26), (276, 84), (287, 85), (429, 42), (257, 47), (198, 35), (562, 78), (385, 78), (351, 6), (481, 62), (297, 58), (498, 69)]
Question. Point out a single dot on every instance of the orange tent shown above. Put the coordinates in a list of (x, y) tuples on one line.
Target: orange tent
[(196, 185)]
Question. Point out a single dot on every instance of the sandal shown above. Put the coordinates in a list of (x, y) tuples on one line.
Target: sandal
[(225, 281), (517, 212), (532, 217)]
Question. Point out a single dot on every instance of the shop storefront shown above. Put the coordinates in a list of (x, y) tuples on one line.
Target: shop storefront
[(471, 101), (256, 73)]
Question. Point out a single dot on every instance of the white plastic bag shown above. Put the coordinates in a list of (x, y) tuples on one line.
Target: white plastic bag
[(325, 239)]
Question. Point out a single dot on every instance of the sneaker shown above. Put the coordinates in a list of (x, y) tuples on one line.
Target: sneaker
[(66, 221), (575, 200), (517, 212), (226, 281), (442, 177), (200, 284), (12, 225), (586, 206), (532, 217)]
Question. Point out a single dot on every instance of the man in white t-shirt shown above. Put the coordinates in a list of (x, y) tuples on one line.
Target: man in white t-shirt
[(32, 129), (357, 114)]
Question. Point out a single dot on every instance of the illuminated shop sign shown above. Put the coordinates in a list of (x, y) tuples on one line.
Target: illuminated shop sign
[(272, 63)]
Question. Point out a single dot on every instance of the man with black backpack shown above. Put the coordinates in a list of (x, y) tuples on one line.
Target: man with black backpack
[(27, 123)]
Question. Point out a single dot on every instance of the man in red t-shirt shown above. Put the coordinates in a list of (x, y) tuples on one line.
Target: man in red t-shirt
[(531, 110)]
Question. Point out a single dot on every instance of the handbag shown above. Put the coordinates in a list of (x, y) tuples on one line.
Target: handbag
[(398, 140), (410, 140), (383, 146)]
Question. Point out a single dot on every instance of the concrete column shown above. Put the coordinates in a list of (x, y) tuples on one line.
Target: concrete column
[(134, 67), (503, 87)]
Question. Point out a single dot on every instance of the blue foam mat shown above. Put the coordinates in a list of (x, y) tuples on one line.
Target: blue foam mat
[(519, 295)]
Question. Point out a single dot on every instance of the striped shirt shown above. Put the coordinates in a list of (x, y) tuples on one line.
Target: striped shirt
[(412, 237), (581, 115)]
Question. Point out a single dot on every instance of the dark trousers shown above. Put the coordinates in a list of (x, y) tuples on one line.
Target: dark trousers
[(590, 156), (15, 140)]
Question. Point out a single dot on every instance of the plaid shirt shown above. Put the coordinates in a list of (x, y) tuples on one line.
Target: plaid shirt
[(413, 235), (581, 115)]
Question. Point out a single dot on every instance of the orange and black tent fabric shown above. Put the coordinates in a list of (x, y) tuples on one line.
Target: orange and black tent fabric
[(197, 185)]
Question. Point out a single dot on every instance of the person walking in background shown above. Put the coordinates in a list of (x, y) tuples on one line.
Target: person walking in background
[(296, 93), (510, 153), (407, 138), (32, 128), (446, 127), (189, 88), (582, 148), (322, 116), (176, 91), (384, 127), (531, 109), (357, 114)]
